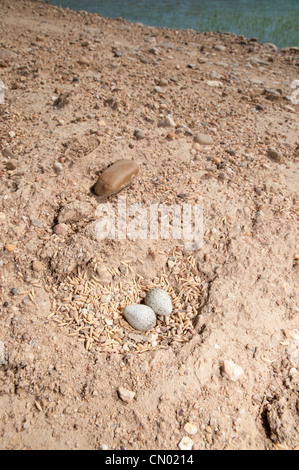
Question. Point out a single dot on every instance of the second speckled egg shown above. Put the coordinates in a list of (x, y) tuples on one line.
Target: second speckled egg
[(159, 300)]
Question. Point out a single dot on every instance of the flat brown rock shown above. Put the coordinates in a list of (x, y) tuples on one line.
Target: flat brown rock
[(116, 177)]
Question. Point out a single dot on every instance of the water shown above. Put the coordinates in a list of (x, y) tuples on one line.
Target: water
[(275, 21)]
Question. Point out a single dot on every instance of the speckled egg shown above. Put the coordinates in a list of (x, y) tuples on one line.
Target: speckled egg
[(159, 300), (140, 317)]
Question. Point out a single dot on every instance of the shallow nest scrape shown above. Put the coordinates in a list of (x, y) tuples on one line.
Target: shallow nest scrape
[(92, 312)]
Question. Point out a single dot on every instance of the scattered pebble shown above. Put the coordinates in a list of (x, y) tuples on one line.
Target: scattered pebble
[(11, 165), (159, 301), (36, 222), (171, 135), (190, 428), (196, 146), (214, 83), (167, 122), (203, 139), (140, 317), (220, 48), (83, 61), (159, 89), (139, 134), (125, 395), (14, 291), (163, 82), (10, 247), (58, 168), (232, 371), (186, 443), (274, 155)]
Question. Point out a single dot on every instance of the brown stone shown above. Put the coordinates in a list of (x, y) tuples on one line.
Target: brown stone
[(274, 155), (125, 394), (116, 177), (11, 165), (10, 247), (171, 136), (203, 139)]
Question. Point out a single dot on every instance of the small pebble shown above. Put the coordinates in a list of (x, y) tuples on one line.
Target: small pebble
[(191, 428), (167, 122), (83, 61), (159, 300), (196, 146), (203, 139), (274, 155), (163, 82), (139, 134), (219, 48), (11, 166), (14, 291), (159, 89), (171, 136), (214, 83), (232, 371), (10, 247), (186, 443), (125, 395), (58, 168)]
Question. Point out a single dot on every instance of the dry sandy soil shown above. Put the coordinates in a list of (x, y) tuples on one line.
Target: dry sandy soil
[(81, 92)]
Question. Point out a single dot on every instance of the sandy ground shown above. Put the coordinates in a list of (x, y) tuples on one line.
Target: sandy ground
[(82, 92)]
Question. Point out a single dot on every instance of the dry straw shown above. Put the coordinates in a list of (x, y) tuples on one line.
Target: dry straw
[(91, 311)]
